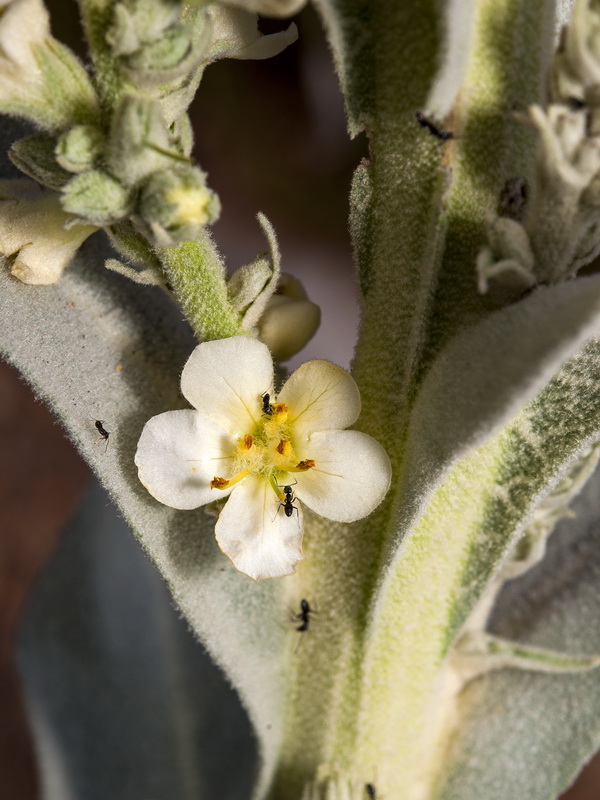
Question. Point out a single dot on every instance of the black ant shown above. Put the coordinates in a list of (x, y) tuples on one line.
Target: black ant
[(370, 791), (267, 408), (288, 502), (303, 617), (102, 431), (439, 133)]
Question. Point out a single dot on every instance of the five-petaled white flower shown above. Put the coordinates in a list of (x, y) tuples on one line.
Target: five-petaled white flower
[(267, 453)]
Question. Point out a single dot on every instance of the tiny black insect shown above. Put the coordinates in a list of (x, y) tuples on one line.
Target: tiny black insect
[(439, 133), (303, 616), (267, 408), (370, 791), (288, 503), (101, 430)]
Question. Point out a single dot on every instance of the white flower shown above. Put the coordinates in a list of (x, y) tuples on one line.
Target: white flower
[(33, 224), (269, 454)]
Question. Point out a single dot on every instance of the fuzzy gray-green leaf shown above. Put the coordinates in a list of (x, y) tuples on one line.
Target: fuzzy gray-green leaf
[(96, 346), (122, 700), (526, 734)]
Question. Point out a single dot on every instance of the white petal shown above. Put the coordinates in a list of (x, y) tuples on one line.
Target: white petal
[(36, 230), (260, 540), (225, 379), (320, 396), (350, 478), (179, 453), (23, 24)]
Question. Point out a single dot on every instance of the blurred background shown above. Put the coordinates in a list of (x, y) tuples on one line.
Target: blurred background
[(271, 135)]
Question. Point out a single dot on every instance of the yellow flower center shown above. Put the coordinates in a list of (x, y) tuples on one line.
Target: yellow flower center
[(267, 452), (192, 204)]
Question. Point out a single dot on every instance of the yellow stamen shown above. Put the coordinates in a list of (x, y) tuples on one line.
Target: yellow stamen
[(302, 466), (223, 483)]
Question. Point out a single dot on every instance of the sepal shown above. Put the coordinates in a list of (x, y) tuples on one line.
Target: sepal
[(79, 148), (96, 198), (34, 156)]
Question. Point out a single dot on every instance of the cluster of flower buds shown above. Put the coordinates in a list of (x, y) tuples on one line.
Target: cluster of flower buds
[(115, 145), (558, 230)]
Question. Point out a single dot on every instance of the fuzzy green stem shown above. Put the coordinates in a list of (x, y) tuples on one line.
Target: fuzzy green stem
[(196, 276), (97, 16), (356, 710)]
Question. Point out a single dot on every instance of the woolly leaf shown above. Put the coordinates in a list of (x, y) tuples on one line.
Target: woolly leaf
[(488, 372), (96, 346), (121, 699), (527, 734), (449, 554)]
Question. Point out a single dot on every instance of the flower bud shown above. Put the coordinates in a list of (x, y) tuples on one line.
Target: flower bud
[(290, 319), (79, 148), (137, 22), (97, 198), (174, 205)]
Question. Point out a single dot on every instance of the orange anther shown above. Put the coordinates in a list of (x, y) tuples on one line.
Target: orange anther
[(283, 447), (306, 464)]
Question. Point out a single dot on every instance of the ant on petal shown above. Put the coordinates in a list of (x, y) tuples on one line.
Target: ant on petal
[(288, 503)]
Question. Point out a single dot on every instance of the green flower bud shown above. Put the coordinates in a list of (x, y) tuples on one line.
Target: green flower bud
[(139, 142), (174, 205), (79, 148), (138, 22), (167, 52), (171, 58), (97, 198)]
